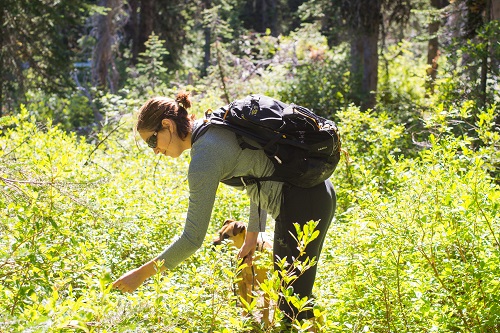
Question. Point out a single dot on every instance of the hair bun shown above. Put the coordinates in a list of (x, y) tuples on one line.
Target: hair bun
[(183, 99)]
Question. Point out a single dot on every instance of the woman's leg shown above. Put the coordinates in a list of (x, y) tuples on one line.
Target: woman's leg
[(301, 205)]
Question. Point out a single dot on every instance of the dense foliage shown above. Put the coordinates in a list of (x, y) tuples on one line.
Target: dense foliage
[(414, 247)]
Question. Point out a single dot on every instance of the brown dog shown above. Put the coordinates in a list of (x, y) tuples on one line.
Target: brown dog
[(250, 276)]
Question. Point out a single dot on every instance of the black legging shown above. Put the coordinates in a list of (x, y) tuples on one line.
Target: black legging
[(301, 205)]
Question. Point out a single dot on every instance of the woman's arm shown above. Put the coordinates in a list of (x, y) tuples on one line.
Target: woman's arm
[(210, 158)]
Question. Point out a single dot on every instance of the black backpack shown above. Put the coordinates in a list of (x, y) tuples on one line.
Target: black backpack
[(304, 147)]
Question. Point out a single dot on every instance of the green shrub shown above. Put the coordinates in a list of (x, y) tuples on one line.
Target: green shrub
[(460, 79), (417, 250), (71, 112), (318, 77), (422, 254), (401, 90), (46, 216), (372, 142)]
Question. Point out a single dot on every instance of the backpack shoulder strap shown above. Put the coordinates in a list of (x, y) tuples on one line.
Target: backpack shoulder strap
[(199, 130)]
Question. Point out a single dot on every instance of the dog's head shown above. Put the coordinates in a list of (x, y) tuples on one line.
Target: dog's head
[(232, 230)]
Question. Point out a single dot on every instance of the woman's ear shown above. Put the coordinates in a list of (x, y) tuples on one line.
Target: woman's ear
[(168, 124)]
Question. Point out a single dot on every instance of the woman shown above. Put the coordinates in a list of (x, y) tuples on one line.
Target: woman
[(165, 125)]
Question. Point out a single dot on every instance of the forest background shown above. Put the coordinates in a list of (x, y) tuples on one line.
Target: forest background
[(412, 84)]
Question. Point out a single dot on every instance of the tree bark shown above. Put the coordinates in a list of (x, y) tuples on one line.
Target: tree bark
[(366, 19), (495, 9), (1, 58), (495, 16), (484, 60), (370, 70), (104, 72), (146, 23), (274, 18), (260, 14), (207, 32), (364, 67), (433, 46), (132, 29)]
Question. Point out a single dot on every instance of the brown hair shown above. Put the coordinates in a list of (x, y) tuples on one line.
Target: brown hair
[(158, 108)]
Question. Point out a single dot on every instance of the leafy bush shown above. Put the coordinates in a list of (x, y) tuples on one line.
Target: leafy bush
[(372, 142), (47, 218), (296, 68), (402, 83), (417, 249), (71, 112), (319, 78), (422, 254)]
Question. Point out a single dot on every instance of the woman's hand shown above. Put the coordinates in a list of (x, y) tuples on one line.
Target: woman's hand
[(131, 280), (248, 248)]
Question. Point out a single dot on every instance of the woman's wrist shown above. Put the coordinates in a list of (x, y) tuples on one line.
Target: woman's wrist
[(251, 237), (150, 268)]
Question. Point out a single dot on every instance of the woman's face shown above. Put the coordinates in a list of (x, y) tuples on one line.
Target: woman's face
[(168, 142)]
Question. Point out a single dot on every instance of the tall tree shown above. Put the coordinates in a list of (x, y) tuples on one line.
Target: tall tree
[(476, 36), (166, 18), (360, 22), (485, 56), (2, 24), (260, 15), (220, 23), (170, 23), (146, 23), (364, 30), (142, 15), (477, 15), (37, 36), (495, 40), (207, 34), (433, 44), (107, 24)]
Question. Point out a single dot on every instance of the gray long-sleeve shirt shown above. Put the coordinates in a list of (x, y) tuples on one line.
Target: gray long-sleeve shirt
[(215, 156)]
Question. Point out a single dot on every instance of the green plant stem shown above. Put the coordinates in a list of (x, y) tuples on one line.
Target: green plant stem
[(451, 294), (221, 72)]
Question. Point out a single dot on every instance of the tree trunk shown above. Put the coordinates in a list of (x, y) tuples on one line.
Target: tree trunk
[(495, 60), (495, 40), (484, 60), (274, 18), (146, 23), (257, 15), (1, 58), (364, 31), (102, 49), (495, 9), (207, 51), (364, 67), (104, 64), (104, 72), (370, 70), (433, 46), (132, 29), (260, 14), (208, 41)]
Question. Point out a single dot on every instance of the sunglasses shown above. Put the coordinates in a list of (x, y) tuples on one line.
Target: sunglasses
[(152, 141)]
